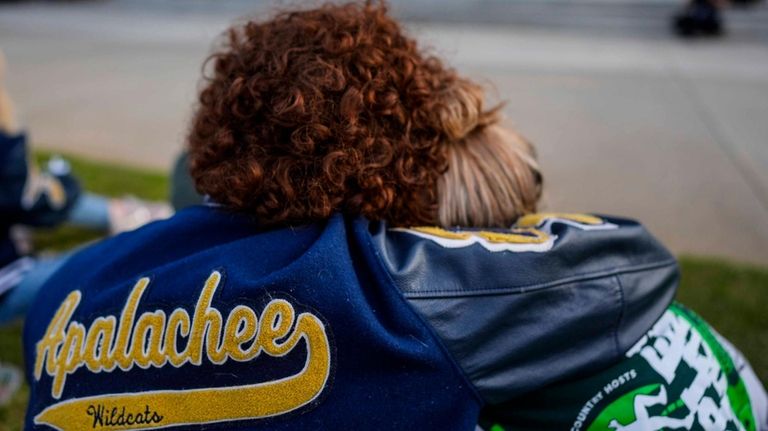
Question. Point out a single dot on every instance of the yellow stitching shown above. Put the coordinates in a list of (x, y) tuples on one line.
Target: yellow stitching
[(533, 220), (55, 333), (442, 233), (209, 405), (179, 324), (146, 347), (276, 321), (515, 236), (152, 340), (518, 236), (240, 317), (96, 353)]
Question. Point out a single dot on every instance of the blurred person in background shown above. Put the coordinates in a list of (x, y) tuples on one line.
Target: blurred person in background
[(370, 256), (700, 18), (704, 17), (35, 198)]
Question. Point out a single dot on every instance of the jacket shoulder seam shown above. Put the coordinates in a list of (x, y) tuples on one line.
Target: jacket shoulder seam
[(615, 272), (435, 336)]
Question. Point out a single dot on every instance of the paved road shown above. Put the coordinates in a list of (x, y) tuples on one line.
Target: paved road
[(627, 119)]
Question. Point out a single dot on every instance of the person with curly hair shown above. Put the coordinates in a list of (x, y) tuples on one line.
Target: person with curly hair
[(369, 257)]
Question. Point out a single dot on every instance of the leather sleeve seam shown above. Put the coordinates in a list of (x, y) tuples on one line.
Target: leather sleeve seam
[(620, 319), (400, 294), (437, 294)]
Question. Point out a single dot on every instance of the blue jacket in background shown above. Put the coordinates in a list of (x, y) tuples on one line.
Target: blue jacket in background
[(28, 197)]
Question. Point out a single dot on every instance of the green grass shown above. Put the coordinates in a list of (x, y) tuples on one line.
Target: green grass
[(733, 298), (113, 179), (105, 179), (730, 296)]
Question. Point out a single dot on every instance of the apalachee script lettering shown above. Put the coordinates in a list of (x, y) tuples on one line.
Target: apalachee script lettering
[(154, 339)]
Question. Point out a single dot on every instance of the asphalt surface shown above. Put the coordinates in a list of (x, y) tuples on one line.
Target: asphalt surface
[(628, 120)]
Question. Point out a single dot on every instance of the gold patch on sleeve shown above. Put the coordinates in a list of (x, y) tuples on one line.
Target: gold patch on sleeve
[(531, 233), (515, 239), (152, 341), (533, 220)]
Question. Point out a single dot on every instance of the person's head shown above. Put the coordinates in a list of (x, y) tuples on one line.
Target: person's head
[(336, 109), (493, 177)]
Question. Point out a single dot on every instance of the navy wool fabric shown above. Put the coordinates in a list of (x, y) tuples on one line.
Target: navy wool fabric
[(387, 368)]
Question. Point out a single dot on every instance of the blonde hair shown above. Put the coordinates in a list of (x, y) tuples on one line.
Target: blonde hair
[(493, 177)]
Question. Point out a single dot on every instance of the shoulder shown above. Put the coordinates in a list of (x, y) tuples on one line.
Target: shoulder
[(554, 296), (129, 255), (204, 235), (540, 250)]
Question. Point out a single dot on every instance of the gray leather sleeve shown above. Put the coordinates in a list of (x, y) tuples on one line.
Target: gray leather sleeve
[(518, 321)]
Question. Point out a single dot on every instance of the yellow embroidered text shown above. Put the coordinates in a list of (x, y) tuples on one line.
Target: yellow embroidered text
[(153, 340)]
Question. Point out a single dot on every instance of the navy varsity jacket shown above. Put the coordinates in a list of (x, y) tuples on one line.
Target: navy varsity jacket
[(204, 321)]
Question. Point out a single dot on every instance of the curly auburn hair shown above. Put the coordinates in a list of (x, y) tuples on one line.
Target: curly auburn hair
[(323, 110)]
